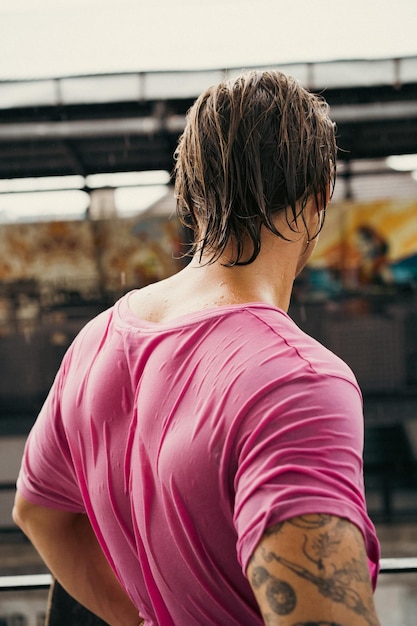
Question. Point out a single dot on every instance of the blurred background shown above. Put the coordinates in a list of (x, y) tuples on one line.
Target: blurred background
[(93, 98)]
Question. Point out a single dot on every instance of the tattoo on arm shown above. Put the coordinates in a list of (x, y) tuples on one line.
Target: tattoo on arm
[(280, 595), (275, 529), (332, 581), (322, 539), (327, 542), (334, 586), (310, 522)]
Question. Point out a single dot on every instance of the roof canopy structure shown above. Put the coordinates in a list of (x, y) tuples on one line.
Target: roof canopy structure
[(85, 125)]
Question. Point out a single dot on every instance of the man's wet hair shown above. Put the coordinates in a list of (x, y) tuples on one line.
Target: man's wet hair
[(252, 147)]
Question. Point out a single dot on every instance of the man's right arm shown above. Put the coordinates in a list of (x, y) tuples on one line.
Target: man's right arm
[(68, 546), (313, 571)]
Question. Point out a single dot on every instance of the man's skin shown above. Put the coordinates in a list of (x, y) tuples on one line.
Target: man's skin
[(312, 570), (68, 546)]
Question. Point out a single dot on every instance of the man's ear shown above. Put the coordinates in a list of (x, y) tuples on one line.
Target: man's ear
[(321, 203), (328, 194), (316, 213)]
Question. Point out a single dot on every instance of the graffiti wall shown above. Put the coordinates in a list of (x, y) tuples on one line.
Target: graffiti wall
[(362, 246), (104, 255), (367, 246), (56, 276)]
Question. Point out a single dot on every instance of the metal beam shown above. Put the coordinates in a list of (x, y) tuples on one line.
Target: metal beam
[(90, 128), (374, 112), (74, 158), (79, 129)]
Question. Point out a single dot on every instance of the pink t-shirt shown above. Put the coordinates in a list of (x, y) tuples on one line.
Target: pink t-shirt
[(184, 441)]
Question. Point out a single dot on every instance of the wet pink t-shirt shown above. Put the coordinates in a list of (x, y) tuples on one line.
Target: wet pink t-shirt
[(184, 441)]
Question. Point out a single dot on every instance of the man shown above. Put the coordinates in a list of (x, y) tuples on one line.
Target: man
[(199, 458)]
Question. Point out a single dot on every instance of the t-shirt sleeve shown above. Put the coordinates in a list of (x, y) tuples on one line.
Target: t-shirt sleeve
[(47, 477), (301, 453)]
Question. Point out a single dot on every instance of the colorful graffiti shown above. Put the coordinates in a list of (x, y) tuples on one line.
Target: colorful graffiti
[(367, 245), (362, 246), (108, 255)]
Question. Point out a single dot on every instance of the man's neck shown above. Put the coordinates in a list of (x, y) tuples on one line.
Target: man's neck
[(269, 278)]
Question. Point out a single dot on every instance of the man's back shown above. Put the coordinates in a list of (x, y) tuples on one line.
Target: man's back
[(177, 433)]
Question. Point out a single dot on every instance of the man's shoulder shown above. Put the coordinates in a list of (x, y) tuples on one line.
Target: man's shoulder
[(284, 339)]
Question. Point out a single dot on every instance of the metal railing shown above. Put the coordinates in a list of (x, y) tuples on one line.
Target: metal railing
[(404, 565), (25, 582)]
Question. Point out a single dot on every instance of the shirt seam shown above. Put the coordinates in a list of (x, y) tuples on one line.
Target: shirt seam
[(313, 369)]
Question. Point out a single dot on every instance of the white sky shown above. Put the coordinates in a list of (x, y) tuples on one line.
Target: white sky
[(44, 38)]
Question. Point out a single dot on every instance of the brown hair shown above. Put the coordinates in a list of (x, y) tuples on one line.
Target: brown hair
[(252, 147)]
